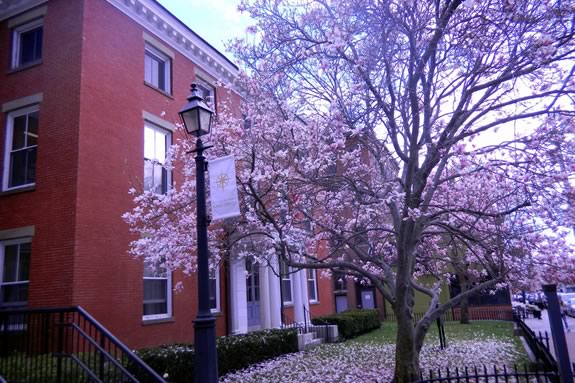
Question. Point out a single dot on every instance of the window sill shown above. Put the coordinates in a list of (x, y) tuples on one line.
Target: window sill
[(217, 314), (314, 302), (147, 322), (24, 67), (22, 189), (290, 304), (158, 90)]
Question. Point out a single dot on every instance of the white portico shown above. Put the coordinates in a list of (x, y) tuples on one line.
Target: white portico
[(255, 295)]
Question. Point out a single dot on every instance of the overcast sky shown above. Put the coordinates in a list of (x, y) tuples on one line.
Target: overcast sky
[(216, 21)]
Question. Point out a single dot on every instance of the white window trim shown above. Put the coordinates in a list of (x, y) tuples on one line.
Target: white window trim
[(168, 314), (8, 145), (217, 278), (168, 134), (315, 286), (3, 245), (167, 68), (16, 40)]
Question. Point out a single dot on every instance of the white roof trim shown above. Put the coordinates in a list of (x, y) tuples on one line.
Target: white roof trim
[(15, 7), (164, 26)]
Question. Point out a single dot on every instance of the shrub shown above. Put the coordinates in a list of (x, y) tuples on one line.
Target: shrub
[(235, 352), (175, 360), (352, 323), (240, 351)]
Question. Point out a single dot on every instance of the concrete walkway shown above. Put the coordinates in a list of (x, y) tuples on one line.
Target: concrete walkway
[(543, 325)]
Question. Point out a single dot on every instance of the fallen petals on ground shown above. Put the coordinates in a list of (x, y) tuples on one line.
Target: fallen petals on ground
[(370, 362)]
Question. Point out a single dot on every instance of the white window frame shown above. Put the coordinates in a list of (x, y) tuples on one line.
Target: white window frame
[(168, 314), (8, 145), (167, 60), (215, 274), (17, 41), (313, 279), (3, 245), (286, 277), (168, 142)]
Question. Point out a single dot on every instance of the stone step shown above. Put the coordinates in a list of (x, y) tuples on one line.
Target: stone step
[(313, 343)]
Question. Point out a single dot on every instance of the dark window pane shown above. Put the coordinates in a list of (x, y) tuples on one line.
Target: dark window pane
[(286, 287), (311, 290), (161, 75), (19, 132), (31, 165), (24, 266), (155, 290), (213, 290), (14, 295), (10, 263), (17, 168), (32, 132), (30, 46), (155, 308)]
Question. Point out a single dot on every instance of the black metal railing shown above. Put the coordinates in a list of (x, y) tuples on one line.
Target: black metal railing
[(475, 314), (287, 322), (539, 344), (319, 327), (64, 345), (484, 374)]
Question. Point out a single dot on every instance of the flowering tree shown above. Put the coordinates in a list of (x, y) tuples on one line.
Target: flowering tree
[(395, 140)]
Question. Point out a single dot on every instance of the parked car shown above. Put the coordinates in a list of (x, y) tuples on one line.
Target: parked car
[(565, 297), (570, 307)]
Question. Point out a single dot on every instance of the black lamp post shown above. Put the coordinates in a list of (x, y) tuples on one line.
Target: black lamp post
[(197, 118)]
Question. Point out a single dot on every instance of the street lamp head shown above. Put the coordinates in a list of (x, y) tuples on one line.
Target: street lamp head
[(196, 115)]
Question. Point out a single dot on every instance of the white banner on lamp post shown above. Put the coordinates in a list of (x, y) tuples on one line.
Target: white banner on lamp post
[(223, 188)]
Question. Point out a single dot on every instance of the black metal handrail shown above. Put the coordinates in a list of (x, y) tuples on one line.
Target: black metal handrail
[(322, 328), (64, 345), (535, 343), (287, 322)]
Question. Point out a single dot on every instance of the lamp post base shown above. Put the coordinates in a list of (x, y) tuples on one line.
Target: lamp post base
[(206, 357)]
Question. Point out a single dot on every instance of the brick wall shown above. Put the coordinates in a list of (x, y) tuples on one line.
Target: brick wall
[(50, 206)]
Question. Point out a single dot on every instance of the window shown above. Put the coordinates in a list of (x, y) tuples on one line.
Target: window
[(157, 292), (27, 43), (156, 143), (339, 282), (21, 148), (286, 282), (14, 272), (157, 69), (312, 285), (215, 289), (207, 91)]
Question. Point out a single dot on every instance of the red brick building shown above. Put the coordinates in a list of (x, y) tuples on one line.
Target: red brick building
[(89, 93)]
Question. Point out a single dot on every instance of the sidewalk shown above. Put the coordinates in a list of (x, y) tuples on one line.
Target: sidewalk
[(543, 325)]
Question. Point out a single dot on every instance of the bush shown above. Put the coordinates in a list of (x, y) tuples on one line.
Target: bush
[(235, 352), (352, 323), (240, 351), (175, 360)]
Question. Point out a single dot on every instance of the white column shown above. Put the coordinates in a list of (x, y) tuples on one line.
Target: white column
[(274, 294), (265, 318), (304, 292), (297, 297), (238, 299)]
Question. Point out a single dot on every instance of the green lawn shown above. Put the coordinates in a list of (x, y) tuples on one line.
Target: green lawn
[(454, 331)]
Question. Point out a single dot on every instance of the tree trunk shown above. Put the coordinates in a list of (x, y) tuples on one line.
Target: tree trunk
[(406, 355), (464, 305)]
